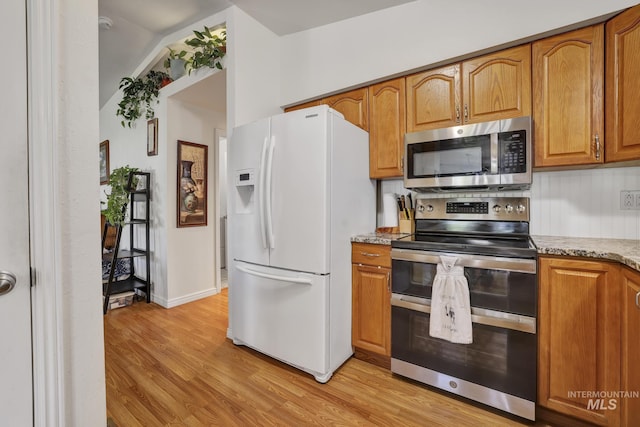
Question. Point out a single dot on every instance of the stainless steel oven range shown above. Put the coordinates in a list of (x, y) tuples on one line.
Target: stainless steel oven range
[(490, 239)]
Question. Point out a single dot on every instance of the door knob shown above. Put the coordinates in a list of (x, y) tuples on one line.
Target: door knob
[(7, 282)]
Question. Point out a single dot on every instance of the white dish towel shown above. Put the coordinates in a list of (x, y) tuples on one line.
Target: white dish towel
[(450, 306)]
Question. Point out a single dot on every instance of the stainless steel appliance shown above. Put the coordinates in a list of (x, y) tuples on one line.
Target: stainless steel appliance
[(485, 156), (490, 238)]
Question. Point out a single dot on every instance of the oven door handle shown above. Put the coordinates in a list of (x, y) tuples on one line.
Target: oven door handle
[(498, 319), (520, 265)]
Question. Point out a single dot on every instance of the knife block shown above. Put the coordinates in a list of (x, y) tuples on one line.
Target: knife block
[(406, 226)]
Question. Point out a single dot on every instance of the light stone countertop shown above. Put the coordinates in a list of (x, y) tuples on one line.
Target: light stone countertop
[(377, 238), (625, 251)]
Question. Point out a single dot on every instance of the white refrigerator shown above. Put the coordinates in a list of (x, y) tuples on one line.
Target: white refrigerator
[(299, 188)]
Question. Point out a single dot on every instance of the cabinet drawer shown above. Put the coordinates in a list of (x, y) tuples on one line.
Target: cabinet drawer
[(371, 254)]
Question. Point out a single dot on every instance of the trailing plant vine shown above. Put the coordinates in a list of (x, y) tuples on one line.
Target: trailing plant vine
[(117, 200), (139, 95)]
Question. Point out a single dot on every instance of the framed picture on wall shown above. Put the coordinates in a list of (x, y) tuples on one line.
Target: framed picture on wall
[(104, 162), (192, 184), (152, 137)]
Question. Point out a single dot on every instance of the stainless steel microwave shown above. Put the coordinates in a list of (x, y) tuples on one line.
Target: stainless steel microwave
[(481, 156)]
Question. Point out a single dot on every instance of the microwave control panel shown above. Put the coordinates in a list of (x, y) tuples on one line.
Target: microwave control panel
[(513, 152)]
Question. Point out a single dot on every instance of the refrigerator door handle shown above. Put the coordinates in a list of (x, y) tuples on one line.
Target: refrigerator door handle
[(261, 188), (270, 236), (298, 280)]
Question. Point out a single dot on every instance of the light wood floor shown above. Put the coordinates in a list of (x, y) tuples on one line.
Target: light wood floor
[(175, 367)]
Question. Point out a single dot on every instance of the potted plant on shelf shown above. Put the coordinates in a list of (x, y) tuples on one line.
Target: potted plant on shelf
[(116, 210), (208, 49), (176, 63), (138, 96)]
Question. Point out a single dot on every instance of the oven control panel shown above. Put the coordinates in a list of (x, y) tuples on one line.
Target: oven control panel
[(488, 209), (467, 207)]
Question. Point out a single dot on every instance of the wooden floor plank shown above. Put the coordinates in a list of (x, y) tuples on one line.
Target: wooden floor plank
[(175, 367)]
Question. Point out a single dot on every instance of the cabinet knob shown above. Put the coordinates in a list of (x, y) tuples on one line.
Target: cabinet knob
[(638, 299), (597, 147)]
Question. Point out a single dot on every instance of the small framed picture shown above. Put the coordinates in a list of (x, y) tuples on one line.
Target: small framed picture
[(192, 184), (104, 162), (152, 137)]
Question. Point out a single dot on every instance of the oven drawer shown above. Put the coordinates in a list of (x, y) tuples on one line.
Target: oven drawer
[(499, 359), (371, 254)]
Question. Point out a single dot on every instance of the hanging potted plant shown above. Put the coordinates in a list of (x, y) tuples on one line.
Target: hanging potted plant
[(139, 94), (176, 63), (116, 209), (208, 49)]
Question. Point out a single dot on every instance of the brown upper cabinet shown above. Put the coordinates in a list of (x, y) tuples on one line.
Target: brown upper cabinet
[(433, 99), (354, 105), (386, 128), (305, 105), (623, 86), (497, 86), (568, 79), (490, 87)]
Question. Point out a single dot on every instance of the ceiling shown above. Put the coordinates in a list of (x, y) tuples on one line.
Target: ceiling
[(138, 26)]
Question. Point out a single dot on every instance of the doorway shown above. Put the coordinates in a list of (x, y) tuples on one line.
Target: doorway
[(221, 209)]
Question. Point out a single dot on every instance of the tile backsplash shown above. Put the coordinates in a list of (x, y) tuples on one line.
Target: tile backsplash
[(578, 203)]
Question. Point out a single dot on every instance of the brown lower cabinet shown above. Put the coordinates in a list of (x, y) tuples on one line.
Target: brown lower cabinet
[(630, 346), (371, 302), (589, 338)]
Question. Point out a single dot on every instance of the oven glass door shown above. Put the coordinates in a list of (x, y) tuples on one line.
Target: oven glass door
[(499, 358), (497, 288), (451, 157)]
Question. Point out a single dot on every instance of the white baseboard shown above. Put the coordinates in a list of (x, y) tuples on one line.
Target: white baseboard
[(174, 302)]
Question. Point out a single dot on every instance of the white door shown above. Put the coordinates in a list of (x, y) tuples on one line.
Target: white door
[(299, 191), (283, 314), (16, 407), (246, 153)]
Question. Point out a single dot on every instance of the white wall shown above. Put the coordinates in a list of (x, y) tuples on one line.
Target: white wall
[(190, 253), (254, 67), (413, 35), (75, 129), (584, 203)]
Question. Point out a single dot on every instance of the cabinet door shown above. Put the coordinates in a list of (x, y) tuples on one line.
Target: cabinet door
[(568, 112), (623, 86), (371, 305), (387, 128), (304, 105), (630, 407), (579, 337), (433, 99), (497, 86), (354, 105)]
